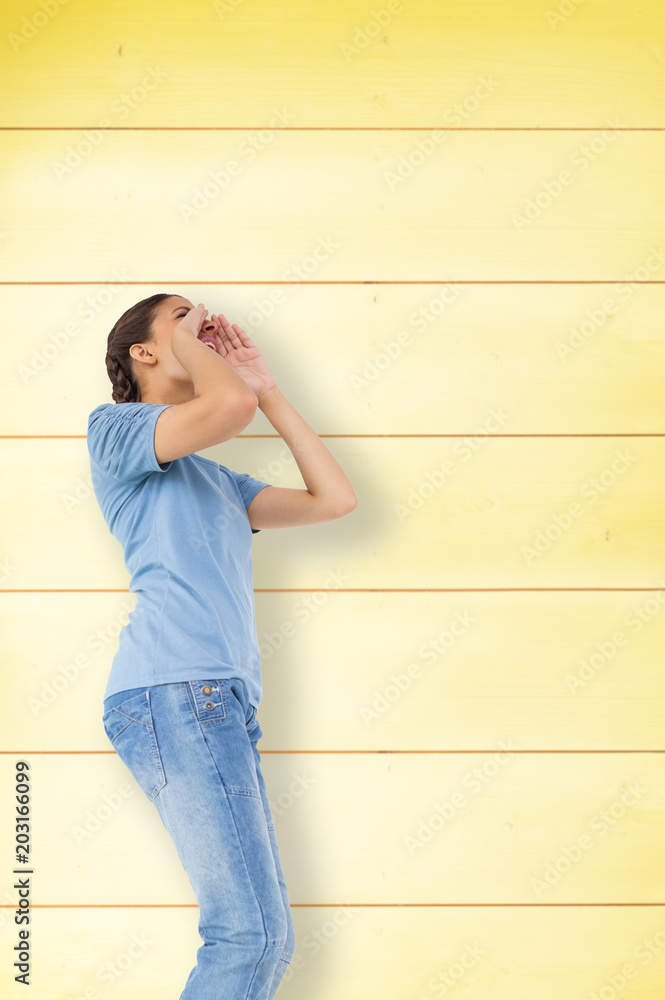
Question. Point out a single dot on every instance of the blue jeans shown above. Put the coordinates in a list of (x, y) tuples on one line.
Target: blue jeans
[(191, 747)]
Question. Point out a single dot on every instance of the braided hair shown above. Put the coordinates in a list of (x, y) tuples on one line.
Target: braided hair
[(133, 327)]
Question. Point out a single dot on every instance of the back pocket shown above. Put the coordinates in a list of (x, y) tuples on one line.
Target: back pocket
[(130, 729)]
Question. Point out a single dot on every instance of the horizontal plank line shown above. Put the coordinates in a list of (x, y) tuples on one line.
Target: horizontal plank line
[(351, 590), (490, 750), (364, 281), (174, 906), (331, 128), (602, 434)]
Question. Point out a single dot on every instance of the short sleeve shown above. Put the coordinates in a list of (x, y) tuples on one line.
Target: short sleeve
[(121, 439), (248, 487)]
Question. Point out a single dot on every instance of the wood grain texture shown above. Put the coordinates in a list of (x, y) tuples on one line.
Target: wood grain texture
[(426, 215), (415, 63), (381, 828), (580, 512), (331, 206), (509, 953), (373, 671), (447, 358)]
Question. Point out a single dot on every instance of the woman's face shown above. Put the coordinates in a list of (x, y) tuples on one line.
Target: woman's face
[(155, 364)]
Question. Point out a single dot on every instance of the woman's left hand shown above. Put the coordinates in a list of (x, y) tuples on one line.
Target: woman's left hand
[(235, 346)]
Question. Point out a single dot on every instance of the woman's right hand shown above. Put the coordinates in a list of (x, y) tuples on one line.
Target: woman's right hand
[(193, 321)]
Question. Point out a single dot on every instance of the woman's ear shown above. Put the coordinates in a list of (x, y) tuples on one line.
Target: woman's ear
[(142, 353)]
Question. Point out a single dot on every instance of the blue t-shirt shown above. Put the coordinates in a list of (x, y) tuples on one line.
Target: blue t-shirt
[(187, 543)]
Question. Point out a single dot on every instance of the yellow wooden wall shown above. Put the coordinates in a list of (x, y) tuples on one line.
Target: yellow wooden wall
[(443, 224)]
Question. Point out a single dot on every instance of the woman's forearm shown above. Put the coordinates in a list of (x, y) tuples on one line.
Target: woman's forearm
[(322, 474), (212, 375)]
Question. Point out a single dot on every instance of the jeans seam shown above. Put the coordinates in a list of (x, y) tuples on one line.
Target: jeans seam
[(119, 733), (269, 943), (237, 790), (155, 755)]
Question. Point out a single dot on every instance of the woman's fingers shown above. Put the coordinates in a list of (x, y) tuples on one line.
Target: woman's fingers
[(230, 340), (231, 335), (230, 331), (222, 343), (244, 338), (219, 332), (216, 333)]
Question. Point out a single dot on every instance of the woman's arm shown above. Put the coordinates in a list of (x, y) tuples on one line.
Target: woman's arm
[(223, 404), (329, 493)]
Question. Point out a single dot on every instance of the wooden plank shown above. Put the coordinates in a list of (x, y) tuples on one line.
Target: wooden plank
[(556, 953), (399, 64), (373, 671), (576, 512), (390, 359), (484, 207), (314, 207), (501, 827)]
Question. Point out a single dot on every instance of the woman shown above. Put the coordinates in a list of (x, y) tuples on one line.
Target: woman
[(181, 699)]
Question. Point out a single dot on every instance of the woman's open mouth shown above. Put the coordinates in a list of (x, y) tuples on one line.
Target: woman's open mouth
[(206, 339)]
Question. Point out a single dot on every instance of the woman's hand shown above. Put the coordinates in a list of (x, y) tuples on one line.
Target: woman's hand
[(192, 321), (235, 346)]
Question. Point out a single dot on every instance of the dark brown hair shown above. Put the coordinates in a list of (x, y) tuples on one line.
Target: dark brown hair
[(133, 327)]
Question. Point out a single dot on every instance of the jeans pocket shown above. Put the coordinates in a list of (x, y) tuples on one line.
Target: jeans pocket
[(129, 727)]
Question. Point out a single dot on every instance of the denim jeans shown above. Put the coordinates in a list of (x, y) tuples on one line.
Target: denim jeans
[(191, 747)]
